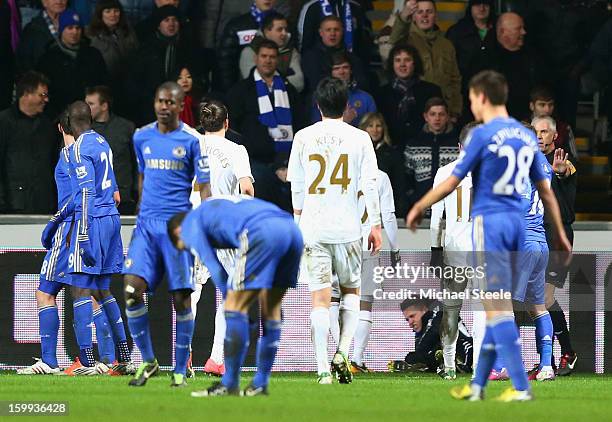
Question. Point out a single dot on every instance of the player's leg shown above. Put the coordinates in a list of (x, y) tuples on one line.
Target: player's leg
[(449, 327), (347, 263), (334, 310), (364, 325), (83, 317), (184, 334), (214, 365), (479, 326), (106, 345)]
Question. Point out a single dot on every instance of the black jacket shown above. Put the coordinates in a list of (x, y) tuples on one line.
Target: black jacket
[(388, 100), (311, 16), (390, 159), (244, 118), (565, 192), (424, 155), (28, 153), (35, 41), (69, 76), (238, 33), (118, 133)]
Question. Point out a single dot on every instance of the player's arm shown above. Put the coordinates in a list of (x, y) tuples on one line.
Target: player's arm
[(202, 170), (49, 231), (295, 175), (434, 195), (246, 186), (86, 180), (242, 170), (368, 175), (437, 226), (387, 213), (553, 215)]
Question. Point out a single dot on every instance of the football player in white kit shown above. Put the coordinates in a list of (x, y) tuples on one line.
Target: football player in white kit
[(330, 161), (368, 262), (451, 240), (230, 174)]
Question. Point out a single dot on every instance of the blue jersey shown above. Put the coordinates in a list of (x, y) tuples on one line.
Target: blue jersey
[(220, 223), (91, 161), (62, 178), (168, 162), (534, 215), (500, 154)]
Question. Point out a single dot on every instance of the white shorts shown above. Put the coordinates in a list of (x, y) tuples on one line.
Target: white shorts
[(226, 257), (368, 263), (320, 259)]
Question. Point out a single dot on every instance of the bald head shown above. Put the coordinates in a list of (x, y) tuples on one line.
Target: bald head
[(510, 31), (173, 88), (79, 114)]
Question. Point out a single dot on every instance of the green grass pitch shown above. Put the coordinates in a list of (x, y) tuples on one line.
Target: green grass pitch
[(296, 396)]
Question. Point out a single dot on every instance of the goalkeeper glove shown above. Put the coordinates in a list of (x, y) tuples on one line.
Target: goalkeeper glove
[(86, 252), (48, 233)]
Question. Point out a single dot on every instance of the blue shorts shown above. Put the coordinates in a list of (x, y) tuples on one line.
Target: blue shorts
[(55, 266), (151, 255), (91, 281), (533, 261), (269, 256), (105, 235), (496, 239), (50, 287)]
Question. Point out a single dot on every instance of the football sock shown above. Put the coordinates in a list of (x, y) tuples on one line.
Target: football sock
[(184, 334), (236, 346), (106, 345), (478, 331), (83, 322), (560, 328), (544, 335), (486, 358), (362, 336), (499, 363), (266, 352), (334, 321), (349, 317), (115, 321), (195, 298), (48, 321), (138, 323), (217, 349), (319, 323), (506, 338), (449, 331)]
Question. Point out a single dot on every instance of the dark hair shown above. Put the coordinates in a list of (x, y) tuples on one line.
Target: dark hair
[(466, 131), (97, 26), (64, 122), (103, 92), (410, 50), (340, 57), (171, 86), (434, 102), (213, 114), (332, 18), (492, 84), (541, 93), (29, 83), (79, 115), (416, 302), (270, 18), (331, 96), (196, 80), (173, 223), (265, 43)]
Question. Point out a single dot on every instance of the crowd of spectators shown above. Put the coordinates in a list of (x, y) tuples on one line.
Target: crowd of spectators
[(264, 59)]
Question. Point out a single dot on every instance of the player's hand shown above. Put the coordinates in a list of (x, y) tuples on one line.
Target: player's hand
[(564, 248), (349, 114), (48, 233), (117, 198), (559, 164), (375, 239), (409, 8), (414, 217), (396, 258), (86, 252)]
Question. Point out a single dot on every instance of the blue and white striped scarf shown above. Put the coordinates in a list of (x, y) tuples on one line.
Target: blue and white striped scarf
[(347, 18), (259, 15), (278, 117)]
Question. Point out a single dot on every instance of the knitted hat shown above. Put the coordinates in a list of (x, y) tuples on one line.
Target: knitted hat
[(475, 2), (163, 12), (68, 18)]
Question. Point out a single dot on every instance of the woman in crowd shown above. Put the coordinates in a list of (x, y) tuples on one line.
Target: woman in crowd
[(403, 99), (188, 81), (390, 159)]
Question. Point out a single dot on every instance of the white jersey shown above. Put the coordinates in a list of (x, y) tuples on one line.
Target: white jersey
[(454, 232), (330, 161), (229, 162), (387, 205)]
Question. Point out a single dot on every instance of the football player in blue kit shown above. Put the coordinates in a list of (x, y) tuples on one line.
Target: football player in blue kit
[(501, 154), (169, 156), (268, 251), (95, 241)]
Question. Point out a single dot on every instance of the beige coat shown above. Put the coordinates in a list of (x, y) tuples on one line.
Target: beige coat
[(438, 57)]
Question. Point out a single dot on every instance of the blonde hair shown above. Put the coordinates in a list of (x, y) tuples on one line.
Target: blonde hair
[(368, 118)]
